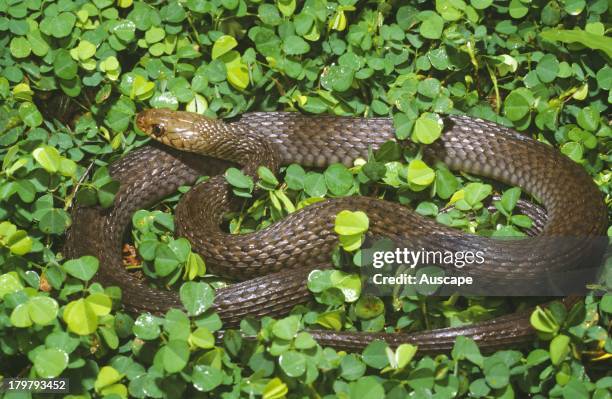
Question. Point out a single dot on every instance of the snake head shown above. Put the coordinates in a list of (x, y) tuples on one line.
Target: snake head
[(177, 129), (188, 131)]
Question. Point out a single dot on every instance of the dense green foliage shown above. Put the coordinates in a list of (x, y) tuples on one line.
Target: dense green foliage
[(75, 73)]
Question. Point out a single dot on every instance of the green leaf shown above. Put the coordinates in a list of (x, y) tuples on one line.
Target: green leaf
[(83, 268), (206, 378), (479, 388), (574, 7), (590, 40), (375, 171), (141, 88), (404, 354), (166, 261), (175, 356), (481, 4), (543, 321), (20, 316), (286, 7), (85, 50), (430, 87), (419, 173), (517, 9), (521, 221), (349, 284), (548, 68), (286, 328), (351, 243), (446, 183), (367, 388), (275, 389), (338, 78), (196, 297), (107, 376), (331, 320), (9, 283), (176, 324), (351, 223), (238, 179), (195, 266), (50, 362), (80, 317), (295, 45), (42, 310), (605, 304), (59, 25), (559, 349), (573, 150), (110, 337), (20, 47), (202, 338), (427, 128), (294, 177), (19, 243), (146, 327), (319, 280), (293, 363), (352, 367), (432, 25), (124, 30), (369, 306), (588, 118), (54, 221), (237, 70), (537, 356), (109, 64), (403, 125), (421, 378), (67, 167), (576, 389), (223, 45), (64, 66), (510, 198), (476, 192), (338, 179), (304, 341), (375, 354), (496, 374), (39, 45), (100, 303), (199, 104), (466, 348), (48, 157), (314, 184), (156, 34), (269, 14), (604, 77), (516, 106)]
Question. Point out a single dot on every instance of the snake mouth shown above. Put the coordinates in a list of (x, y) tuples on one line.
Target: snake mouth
[(152, 124), (142, 122)]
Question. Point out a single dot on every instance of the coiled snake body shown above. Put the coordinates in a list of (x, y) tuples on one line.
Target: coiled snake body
[(279, 258)]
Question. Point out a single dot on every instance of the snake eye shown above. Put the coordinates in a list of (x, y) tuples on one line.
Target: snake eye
[(157, 130)]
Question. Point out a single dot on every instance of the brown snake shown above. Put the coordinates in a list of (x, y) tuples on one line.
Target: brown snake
[(279, 257)]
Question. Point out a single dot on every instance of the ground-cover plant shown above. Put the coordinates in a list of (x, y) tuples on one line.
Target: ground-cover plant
[(74, 74)]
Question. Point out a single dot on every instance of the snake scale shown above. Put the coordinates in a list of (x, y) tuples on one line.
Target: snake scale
[(276, 261)]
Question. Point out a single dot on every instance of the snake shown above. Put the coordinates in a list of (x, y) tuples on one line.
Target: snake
[(272, 265)]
